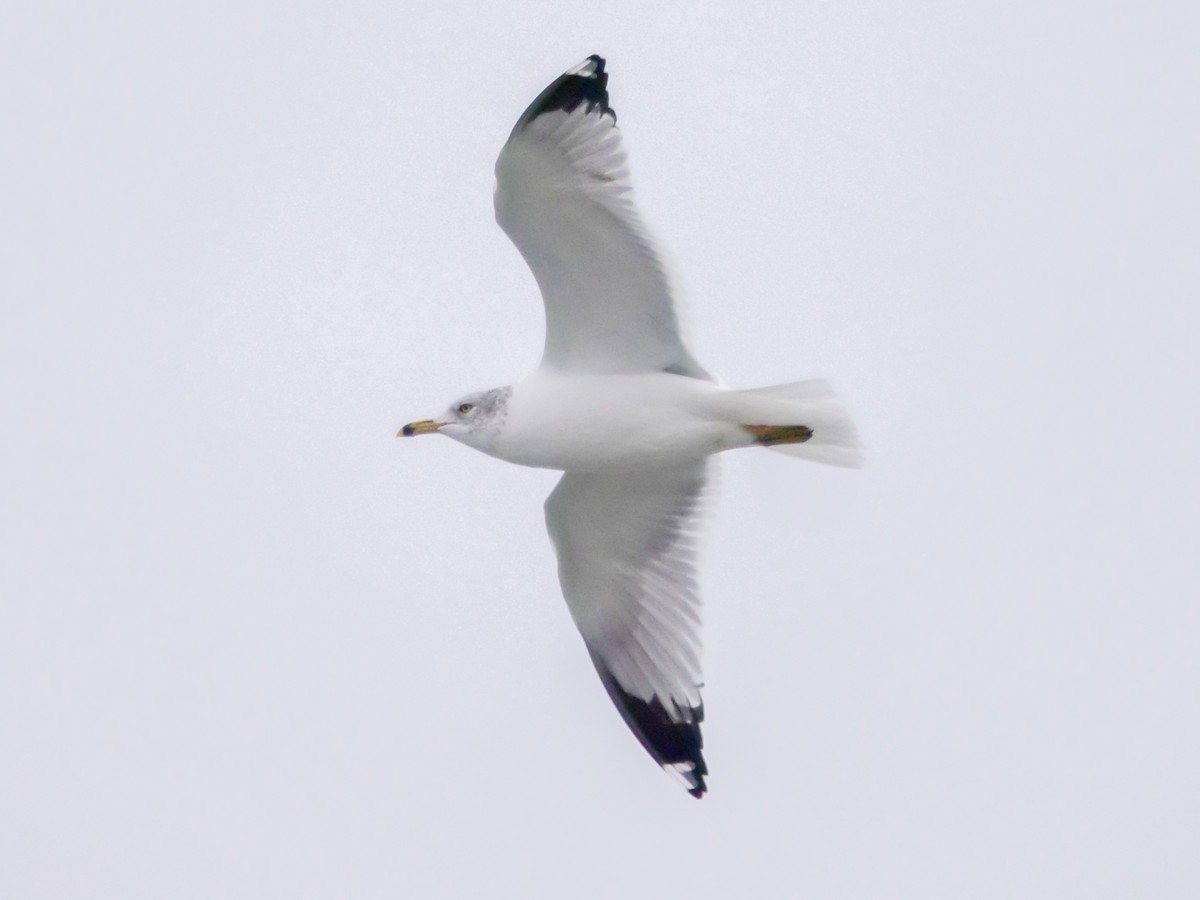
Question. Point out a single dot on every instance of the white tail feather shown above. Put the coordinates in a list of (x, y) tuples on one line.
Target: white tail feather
[(813, 403)]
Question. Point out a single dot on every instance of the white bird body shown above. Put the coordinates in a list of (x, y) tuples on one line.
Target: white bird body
[(621, 406), (590, 423)]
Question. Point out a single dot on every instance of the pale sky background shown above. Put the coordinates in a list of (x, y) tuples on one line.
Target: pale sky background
[(253, 646)]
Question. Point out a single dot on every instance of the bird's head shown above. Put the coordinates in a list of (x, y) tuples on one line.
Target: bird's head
[(474, 419)]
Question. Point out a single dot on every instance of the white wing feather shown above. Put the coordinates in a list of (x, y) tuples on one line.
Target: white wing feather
[(626, 561), (563, 197)]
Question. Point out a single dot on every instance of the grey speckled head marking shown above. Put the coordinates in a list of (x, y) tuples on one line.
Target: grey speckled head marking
[(478, 418), (494, 406)]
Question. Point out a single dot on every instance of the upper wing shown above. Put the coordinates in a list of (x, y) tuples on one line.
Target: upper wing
[(563, 197), (626, 550)]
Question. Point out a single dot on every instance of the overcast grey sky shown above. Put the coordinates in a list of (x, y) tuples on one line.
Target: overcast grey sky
[(253, 646)]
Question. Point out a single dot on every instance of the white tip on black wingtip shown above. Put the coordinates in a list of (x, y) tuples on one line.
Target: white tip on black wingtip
[(685, 773), (586, 83), (591, 67)]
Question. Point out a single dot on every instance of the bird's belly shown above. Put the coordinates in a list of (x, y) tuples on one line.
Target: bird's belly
[(588, 448), (591, 430)]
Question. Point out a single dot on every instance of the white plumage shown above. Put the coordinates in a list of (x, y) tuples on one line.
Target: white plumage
[(563, 197), (621, 406)]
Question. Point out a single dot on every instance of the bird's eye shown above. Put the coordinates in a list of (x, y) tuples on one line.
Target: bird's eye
[(464, 408)]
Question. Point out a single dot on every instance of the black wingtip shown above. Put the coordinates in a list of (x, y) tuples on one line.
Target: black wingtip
[(675, 745), (584, 83)]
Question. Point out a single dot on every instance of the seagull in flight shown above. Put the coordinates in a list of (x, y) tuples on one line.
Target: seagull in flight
[(621, 406)]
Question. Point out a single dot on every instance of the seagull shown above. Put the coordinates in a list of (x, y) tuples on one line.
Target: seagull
[(621, 406)]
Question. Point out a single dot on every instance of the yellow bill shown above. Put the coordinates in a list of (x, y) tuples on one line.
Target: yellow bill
[(425, 426)]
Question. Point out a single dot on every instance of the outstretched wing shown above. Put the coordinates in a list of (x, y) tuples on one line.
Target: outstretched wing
[(626, 552), (563, 197)]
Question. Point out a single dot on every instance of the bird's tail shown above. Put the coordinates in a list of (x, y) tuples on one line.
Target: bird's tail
[(804, 418)]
